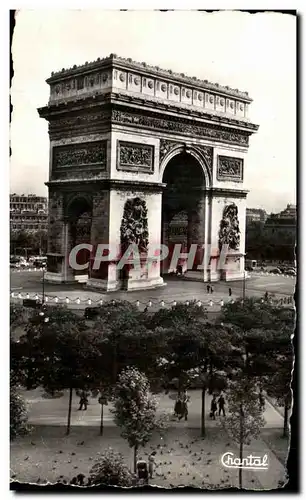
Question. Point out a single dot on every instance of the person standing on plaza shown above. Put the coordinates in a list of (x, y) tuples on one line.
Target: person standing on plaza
[(83, 400), (213, 408), (152, 464), (221, 403), (230, 292), (208, 288), (185, 402), (211, 289), (262, 402)]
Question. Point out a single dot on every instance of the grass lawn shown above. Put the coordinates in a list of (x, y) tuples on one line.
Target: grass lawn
[(183, 458)]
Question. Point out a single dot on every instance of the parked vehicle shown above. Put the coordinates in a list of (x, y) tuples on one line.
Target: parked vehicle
[(32, 303), (275, 271), (91, 312), (14, 265), (291, 272), (39, 263)]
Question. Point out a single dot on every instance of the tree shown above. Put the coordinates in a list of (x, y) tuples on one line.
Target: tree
[(244, 416), (18, 413), (69, 358), (278, 386), (111, 471), (135, 409), (181, 325), (252, 313), (18, 317), (114, 319), (198, 351)]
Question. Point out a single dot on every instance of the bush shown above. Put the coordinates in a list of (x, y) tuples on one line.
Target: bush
[(111, 471), (18, 414)]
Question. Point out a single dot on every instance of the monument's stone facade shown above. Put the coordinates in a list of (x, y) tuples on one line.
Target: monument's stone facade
[(114, 126)]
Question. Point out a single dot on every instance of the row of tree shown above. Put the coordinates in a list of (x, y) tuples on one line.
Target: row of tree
[(28, 243), (174, 347), (274, 244)]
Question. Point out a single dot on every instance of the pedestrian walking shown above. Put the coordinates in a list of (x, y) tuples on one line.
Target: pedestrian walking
[(230, 292), (185, 402), (152, 464), (83, 401), (211, 289), (208, 288), (262, 401), (178, 407), (213, 408), (221, 403)]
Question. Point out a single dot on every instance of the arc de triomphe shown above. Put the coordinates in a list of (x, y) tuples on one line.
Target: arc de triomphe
[(142, 154)]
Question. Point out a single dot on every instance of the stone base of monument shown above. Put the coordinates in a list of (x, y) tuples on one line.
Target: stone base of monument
[(141, 275), (234, 267), (104, 285), (58, 278), (142, 284)]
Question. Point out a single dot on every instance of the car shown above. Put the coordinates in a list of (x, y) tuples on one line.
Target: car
[(291, 272), (24, 263), (14, 265), (39, 263), (91, 312), (275, 271)]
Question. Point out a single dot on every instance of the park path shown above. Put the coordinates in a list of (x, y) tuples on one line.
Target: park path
[(44, 411)]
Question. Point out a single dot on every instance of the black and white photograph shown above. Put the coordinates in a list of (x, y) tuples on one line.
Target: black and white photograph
[(153, 249)]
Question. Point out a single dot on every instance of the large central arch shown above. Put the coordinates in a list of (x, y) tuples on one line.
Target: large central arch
[(183, 207)]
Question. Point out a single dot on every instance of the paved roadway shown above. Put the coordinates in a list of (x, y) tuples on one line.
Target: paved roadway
[(177, 289), (54, 411)]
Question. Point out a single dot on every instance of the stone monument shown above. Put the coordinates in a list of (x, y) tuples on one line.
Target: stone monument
[(131, 147)]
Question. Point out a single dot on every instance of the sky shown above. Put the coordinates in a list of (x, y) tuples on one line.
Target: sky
[(251, 52)]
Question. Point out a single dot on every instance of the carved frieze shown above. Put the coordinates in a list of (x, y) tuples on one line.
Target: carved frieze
[(84, 174), (229, 169), (229, 233), (78, 125), (73, 121), (181, 126), (78, 155), (207, 153), (165, 147), (135, 157)]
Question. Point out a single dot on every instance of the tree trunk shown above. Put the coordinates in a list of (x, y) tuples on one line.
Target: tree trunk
[(286, 415), (101, 421), (69, 411), (135, 457), (203, 411), (241, 446), (115, 364)]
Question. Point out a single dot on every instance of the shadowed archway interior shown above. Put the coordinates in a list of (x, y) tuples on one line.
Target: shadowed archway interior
[(79, 215), (182, 207)]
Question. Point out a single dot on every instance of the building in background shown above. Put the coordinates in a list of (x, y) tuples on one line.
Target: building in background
[(275, 238), (255, 215), (288, 213), (283, 223), (28, 213)]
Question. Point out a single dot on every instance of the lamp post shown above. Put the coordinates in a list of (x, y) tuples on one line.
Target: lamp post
[(43, 285), (243, 291)]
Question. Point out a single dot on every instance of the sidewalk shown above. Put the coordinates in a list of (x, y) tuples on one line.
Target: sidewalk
[(54, 411)]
